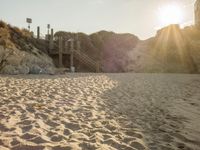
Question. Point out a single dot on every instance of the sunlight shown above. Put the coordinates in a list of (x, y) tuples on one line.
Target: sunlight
[(170, 14)]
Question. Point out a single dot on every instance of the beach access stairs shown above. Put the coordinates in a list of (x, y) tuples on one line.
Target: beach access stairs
[(72, 48)]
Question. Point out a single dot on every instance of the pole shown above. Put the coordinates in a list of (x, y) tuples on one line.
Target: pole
[(72, 54), (79, 51), (48, 27), (38, 32), (29, 27), (60, 51), (51, 43)]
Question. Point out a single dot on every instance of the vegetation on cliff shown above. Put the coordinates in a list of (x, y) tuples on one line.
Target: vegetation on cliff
[(19, 53), (172, 50)]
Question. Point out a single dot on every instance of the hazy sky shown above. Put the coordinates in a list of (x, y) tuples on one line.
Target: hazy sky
[(139, 17)]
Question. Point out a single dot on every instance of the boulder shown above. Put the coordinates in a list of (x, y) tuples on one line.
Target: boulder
[(35, 70), (23, 69), (9, 69)]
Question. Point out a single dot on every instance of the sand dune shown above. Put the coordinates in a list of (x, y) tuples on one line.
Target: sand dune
[(100, 111)]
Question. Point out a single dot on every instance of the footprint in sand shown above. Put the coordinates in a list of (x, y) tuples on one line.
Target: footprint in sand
[(88, 146), (30, 109), (26, 128), (96, 139), (137, 145), (67, 132), (79, 136), (167, 138), (62, 148), (50, 134), (38, 140), (72, 126), (26, 122), (14, 142), (117, 144), (48, 111), (52, 123), (181, 146), (127, 140), (163, 147), (57, 138), (107, 136), (27, 147), (185, 139), (134, 134), (28, 136), (111, 127), (1, 142), (41, 116), (3, 128), (23, 117)]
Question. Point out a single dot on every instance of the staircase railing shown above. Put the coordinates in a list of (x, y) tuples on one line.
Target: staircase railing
[(87, 60), (81, 56)]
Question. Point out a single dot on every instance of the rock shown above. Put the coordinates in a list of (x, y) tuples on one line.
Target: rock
[(21, 54), (49, 70), (9, 69), (23, 69), (38, 70), (35, 70)]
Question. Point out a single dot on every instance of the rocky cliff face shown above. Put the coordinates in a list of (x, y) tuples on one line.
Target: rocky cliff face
[(172, 50), (19, 53)]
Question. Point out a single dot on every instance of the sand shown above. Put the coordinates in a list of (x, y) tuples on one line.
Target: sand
[(100, 111)]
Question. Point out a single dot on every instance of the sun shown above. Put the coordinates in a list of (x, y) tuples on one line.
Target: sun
[(170, 14)]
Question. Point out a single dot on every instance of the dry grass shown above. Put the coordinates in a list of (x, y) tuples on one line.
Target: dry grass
[(13, 37), (19, 52), (5, 38), (2, 24)]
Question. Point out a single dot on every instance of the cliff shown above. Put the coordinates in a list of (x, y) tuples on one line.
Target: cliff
[(109, 48), (19, 53), (172, 50)]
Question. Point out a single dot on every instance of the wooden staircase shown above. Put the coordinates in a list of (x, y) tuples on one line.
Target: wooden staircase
[(88, 61), (66, 47)]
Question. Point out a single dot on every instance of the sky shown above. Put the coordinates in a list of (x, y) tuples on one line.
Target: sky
[(139, 17)]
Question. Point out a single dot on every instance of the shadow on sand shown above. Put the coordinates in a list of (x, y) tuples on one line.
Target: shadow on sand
[(141, 104)]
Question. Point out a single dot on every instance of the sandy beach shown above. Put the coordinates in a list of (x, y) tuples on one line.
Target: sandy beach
[(100, 111)]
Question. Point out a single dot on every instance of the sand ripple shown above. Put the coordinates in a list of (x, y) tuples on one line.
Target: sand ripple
[(96, 111)]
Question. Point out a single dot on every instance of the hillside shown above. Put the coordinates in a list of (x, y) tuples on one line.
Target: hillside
[(109, 48), (172, 50), (21, 54)]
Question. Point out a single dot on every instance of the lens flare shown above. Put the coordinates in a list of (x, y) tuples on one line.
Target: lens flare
[(170, 14)]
